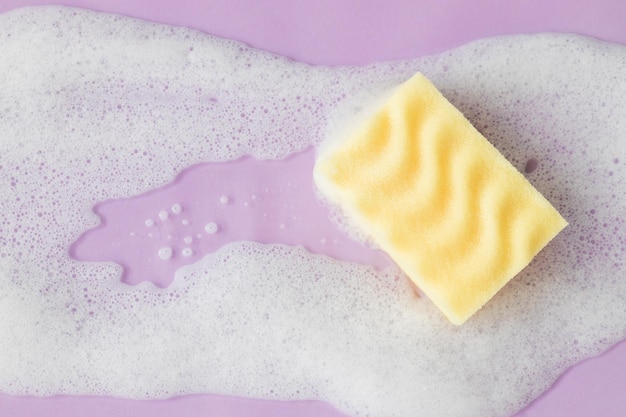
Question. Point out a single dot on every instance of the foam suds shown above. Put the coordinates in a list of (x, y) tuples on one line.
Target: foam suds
[(95, 107)]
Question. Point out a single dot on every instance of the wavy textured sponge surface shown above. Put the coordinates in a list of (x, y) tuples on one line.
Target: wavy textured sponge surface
[(434, 194)]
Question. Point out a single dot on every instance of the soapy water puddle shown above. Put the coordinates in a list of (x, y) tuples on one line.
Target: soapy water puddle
[(212, 204)]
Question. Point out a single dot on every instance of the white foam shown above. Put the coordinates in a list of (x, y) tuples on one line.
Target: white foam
[(82, 91)]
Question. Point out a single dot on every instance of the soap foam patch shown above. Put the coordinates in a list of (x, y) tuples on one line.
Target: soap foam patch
[(97, 106)]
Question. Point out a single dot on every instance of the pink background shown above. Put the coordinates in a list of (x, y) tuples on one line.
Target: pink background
[(335, 32)]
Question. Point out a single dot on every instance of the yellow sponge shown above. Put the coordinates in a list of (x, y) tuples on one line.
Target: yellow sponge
[(434, 194)]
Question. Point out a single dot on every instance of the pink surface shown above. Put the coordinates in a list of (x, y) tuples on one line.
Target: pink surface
[(355, 32), (248, 199)]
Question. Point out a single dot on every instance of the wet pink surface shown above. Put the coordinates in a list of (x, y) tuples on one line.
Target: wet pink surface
[(189, 405), (356, 32), (210, 205)]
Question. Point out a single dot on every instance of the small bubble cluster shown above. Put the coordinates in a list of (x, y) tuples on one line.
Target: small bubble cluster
[(112, 108)]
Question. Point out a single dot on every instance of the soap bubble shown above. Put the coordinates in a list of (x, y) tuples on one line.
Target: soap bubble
[(211, 228), (166, 253), (176, 208)]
